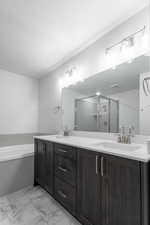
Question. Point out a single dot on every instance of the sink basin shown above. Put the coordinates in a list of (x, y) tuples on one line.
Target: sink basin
[(118, 146)]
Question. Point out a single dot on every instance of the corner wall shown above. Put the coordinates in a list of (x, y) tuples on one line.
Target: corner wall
[(19, 104)]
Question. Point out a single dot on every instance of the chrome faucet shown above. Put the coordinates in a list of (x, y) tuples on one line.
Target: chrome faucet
[(121, 134), (125, 138), (130, 134)]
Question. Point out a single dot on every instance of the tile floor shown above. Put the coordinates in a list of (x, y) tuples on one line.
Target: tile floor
[(33, 206)]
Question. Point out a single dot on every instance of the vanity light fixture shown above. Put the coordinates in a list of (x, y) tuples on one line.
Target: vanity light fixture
[(129, 48), (71, 77)]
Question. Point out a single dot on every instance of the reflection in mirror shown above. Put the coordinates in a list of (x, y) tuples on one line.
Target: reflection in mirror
[(110, 99), (96, 113)]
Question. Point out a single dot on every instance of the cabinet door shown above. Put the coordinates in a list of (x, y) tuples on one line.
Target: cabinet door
[(40, 163), (120, 191), (88, 194), (49, 167)]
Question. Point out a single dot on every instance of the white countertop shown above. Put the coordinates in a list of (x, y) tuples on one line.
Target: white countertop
[(93, 144)]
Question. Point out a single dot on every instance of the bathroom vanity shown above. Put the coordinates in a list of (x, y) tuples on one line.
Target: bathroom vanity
[(97, 184)]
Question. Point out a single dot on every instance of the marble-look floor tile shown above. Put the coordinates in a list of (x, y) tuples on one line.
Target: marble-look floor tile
[(33, 206)]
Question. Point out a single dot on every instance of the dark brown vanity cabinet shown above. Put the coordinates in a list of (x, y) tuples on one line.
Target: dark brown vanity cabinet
[(44, 165), (110, 190), (97, 188), (65, 170), (88, 192), (120, 191)]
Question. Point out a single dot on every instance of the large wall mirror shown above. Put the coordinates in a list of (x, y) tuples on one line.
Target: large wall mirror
[(110, 99)]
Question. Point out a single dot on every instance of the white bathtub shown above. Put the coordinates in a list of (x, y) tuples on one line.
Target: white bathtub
[(16, 152), (16, 167)]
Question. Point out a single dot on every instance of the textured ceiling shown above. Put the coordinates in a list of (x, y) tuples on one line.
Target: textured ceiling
[(36, 35)]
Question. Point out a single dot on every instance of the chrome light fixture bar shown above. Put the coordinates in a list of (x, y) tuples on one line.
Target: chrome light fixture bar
[(128, 48), (129, 38)]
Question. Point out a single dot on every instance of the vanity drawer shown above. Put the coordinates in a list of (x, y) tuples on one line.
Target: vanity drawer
[(65, 194), (65, 169), (66, 151)]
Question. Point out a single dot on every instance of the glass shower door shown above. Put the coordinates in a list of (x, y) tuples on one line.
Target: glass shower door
[(103, 114), (108, 114), (86, 114)]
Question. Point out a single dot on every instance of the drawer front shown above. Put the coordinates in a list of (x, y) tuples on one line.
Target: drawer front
[(65, 169), (66, 151), (65, 194)]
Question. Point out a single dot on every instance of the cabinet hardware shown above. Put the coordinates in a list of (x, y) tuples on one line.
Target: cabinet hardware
[(62, 194), (96, 164), (62, 169), (62, 150), (102, 166)]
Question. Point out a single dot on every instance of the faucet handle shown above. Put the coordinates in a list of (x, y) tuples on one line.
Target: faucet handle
[(119, 138)]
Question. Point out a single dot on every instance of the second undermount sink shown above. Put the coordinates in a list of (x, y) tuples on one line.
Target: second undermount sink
[(118, 146)]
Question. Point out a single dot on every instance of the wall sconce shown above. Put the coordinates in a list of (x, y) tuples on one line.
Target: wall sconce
[(71, 77), (128, 49)]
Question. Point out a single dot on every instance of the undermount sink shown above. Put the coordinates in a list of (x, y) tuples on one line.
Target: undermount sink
[(120, 146)]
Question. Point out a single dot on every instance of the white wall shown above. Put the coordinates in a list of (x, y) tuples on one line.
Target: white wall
[(88, 62), (50, 99), (19, 106), (128, 108)]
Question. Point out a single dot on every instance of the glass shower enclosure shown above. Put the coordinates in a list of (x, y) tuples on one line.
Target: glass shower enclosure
[(97, 113)]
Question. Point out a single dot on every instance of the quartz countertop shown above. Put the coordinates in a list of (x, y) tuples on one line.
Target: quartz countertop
[(94, 144)]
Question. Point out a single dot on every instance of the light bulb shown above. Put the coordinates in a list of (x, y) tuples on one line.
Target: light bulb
[(112, 58), (98, 93)]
